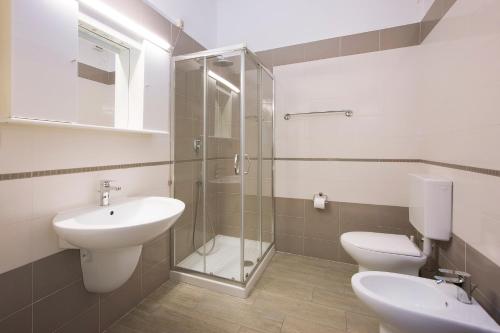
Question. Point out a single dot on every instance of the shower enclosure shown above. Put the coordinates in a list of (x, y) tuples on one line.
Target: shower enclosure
[(223, 146)]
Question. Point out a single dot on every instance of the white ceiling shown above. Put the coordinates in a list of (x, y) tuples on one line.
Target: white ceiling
[(265, 24)]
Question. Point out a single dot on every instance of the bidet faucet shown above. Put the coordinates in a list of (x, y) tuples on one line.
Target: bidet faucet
[(461, 279), (104, 189)]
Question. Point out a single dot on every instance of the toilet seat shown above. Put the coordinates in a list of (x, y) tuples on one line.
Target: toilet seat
[(384, 243), (383, 252)]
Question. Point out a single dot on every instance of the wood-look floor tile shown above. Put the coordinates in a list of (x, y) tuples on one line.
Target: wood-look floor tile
[(341, 300), (299, 325), (233, 310), (167, 320), (244, 329), (295, 294), (308, 278), (178, 294), (357, 323), (320, 314), (275, 306), (285, 288)]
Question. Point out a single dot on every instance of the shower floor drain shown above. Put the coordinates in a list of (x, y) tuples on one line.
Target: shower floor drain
[(248, 263)]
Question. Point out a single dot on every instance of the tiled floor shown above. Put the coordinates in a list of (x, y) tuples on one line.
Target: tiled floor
[(295, 294)]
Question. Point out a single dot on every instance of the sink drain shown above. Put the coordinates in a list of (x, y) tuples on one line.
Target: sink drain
[(248, 263)]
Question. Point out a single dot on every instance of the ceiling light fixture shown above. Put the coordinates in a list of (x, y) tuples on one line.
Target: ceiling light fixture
[(223, 81), (122, 20)]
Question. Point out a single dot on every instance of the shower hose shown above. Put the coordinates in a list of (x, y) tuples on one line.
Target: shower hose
[(195, 218)]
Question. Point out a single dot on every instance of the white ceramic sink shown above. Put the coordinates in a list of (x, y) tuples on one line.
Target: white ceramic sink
[(111, 237), (133, 221), (412, 304)]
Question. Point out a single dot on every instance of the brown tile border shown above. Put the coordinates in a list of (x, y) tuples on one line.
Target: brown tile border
[(341, 159), (377, 40), (484, 171), (95, 74), (55, 172)]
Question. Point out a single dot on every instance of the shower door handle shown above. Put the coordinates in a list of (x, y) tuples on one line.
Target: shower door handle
[(236, 164)]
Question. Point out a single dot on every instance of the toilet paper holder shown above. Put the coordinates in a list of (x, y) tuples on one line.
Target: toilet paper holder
[(322, 195)]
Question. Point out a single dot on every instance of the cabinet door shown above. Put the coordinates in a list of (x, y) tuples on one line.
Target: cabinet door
[(156, 87), (44, 59)]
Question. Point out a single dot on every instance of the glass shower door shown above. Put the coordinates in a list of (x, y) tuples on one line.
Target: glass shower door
[(223, 184)]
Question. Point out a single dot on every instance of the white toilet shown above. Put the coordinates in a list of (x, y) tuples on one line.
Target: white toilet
[(430, 214)]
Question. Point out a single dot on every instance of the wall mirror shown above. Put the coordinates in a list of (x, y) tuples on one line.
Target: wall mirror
[(103, 78), (122, 82)]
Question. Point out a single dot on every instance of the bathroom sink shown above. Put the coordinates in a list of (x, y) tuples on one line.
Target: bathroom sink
[(132, 221), (412, 304), (110, 238)]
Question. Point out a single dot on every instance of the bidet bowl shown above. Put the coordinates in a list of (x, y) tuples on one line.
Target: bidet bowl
[(110, 238), (412, 304)]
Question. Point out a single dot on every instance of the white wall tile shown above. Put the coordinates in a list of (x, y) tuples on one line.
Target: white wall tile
[(16, 149), (361, 182), (458, 86), (379, 87), (16, 201), (459, 115), (15, 246), (43, 238), (53, 194), (57, 148)]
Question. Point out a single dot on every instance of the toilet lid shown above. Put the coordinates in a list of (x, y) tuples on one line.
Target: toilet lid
[(385, 243)]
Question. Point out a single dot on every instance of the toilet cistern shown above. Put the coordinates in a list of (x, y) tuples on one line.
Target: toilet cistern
[(104, 189)]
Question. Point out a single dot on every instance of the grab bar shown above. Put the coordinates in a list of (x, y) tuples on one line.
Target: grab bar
[(347, 113)]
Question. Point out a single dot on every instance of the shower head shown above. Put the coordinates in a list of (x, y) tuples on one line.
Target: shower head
[(223, 62)]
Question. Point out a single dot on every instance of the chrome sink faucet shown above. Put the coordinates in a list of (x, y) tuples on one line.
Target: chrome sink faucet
[(461, 279), (104, 189)]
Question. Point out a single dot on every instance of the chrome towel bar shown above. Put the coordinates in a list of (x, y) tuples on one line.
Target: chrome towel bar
[(347, 113)]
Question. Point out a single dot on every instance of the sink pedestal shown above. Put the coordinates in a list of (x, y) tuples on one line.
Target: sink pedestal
[(107, 270)]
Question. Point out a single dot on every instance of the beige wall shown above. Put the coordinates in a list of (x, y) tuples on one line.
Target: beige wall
[(459, 115), (380, 87), (28, 205), (437, 101)]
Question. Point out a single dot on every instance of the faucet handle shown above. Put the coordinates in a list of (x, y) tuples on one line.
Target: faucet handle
[(454, 272), (454, 280), (106, 182), (446, 271)]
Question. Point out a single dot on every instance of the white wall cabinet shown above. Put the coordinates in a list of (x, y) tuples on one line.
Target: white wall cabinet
[(156, 87), (39, 41), (44, 49)]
